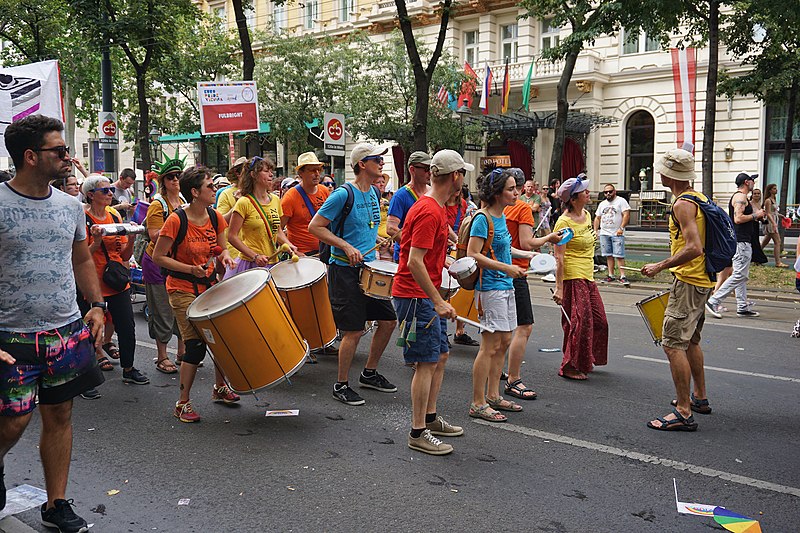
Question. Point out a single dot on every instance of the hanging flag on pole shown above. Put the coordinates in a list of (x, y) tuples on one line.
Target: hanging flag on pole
[(684, 77), (526, 89), (468, 87), (487, 86), (506, 91), (443, 96)]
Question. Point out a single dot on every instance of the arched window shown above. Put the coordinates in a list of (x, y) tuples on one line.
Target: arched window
[(640, 134)]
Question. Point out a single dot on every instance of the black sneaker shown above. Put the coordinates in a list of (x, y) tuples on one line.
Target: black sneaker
[(91, 394), (465, 340), (347, 395), (377, 382), (63, 518), (2, 487), (747, 313), (135, 377)]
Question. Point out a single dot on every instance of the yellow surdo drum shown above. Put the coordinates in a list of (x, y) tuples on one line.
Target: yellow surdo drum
[(248, 329)]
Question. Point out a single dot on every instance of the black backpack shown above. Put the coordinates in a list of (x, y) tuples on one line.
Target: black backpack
[(183, 228)]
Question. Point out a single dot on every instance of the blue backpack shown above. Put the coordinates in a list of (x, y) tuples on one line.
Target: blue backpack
[(720, 235)]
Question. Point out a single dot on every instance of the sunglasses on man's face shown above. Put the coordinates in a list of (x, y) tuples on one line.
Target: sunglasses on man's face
[(61, 151), (377, 158), (608, 192)]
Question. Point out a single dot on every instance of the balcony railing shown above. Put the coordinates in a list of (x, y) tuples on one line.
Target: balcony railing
[(588, 62)]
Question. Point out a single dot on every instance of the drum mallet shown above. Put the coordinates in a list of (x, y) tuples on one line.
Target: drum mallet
[(282, 248), (476, 324), (563, 310)]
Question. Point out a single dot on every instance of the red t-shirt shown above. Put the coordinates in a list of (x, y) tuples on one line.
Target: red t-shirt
[(195, 248), (452, 214), (425, 227), (519, 213)]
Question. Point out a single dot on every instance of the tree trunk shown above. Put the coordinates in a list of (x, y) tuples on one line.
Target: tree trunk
[(709, 124), (144, 119), (248, 61), (560, 132), (787, 149), (423, 85)]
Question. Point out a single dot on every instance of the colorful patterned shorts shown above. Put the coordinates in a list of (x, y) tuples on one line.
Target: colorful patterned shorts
[(56, 365)]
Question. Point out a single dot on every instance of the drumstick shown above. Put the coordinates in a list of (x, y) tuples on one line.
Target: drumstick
[(378, 245), (563, 310), (542, 219), (473, 323), (632, 269)]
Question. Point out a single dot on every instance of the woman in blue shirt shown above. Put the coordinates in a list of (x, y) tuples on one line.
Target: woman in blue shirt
[(494, 293)]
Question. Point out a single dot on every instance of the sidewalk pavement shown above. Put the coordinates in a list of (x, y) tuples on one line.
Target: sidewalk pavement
[(9, 524), (634, 236)]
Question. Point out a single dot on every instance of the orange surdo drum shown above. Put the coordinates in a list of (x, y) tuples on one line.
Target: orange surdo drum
[(248, 329), (304, 289)]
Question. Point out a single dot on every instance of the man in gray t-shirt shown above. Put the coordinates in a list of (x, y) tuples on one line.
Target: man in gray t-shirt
[(46, 349), (123, 193)]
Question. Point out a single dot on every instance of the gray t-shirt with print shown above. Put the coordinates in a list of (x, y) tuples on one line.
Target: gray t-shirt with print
[(37, 284)]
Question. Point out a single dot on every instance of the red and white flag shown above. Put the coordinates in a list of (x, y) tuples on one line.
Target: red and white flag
[(443, 95), (684, 76), (487, 87)]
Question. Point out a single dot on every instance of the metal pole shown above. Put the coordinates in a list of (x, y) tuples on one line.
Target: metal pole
[(109, 156)]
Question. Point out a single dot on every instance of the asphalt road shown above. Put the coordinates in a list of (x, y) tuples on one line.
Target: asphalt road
[(577, 459)]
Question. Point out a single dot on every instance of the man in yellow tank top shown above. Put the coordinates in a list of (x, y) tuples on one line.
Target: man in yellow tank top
[(691, 288)]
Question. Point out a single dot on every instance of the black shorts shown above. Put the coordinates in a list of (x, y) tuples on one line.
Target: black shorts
[(522, 297), (351, 307)]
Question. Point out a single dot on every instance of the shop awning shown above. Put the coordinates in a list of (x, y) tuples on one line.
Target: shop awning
[(264, 128), (577, 121)]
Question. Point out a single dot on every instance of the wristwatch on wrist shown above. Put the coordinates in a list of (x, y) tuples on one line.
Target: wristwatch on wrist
[(101, 305)]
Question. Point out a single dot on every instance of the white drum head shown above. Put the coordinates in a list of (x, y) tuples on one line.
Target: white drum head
[(449, 282), (228, 294), (384, 267), (288, 275), (463, 267), (543, 264)]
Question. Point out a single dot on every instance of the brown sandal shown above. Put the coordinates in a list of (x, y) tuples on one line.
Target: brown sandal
[(104, 364), (166, 366)]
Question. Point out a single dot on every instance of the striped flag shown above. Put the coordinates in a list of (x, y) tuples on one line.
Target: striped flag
[(443, 96), (526, 89), (487, 86), (506, 91), (684, 77)]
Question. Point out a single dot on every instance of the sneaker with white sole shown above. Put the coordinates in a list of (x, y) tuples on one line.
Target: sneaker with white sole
[(713, 310), (185, 412), (443, 428), (377, 382), (224, 394), (427, 443), (63, 518), (347, 395), (747, 313)]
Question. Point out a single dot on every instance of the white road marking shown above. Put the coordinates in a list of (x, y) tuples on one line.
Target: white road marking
[(728, 370), (154, 347), (645, 458)]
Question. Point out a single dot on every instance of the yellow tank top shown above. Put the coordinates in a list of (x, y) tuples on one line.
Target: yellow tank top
[(693, 272)]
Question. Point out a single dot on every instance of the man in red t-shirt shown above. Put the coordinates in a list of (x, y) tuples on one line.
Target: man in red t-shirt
[(301, 202), (419, 306), (519, 219)]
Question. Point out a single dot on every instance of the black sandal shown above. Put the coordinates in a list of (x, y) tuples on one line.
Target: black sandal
[(111, 349), (698, 406), (680, 423), (104, 364), (516, 390)]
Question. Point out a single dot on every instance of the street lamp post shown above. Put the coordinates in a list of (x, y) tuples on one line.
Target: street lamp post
[(155, 134), (463, 112)]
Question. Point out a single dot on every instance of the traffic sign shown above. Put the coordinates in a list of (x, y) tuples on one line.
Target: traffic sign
[(334, 136), (107, 129)]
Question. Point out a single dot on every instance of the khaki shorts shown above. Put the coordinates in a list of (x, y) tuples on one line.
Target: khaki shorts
[(180, 302), (685, 315)]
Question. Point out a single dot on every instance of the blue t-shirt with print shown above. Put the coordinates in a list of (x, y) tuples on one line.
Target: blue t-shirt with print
[(356, 230), (401, 202), (494, 280)]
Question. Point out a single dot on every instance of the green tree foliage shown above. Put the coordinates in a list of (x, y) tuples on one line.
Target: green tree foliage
[(764, 35)]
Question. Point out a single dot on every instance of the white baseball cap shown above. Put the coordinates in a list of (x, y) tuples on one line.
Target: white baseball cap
[(447, 161), (362, 150)]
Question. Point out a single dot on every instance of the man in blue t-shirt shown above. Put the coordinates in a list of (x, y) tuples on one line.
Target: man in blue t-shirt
[(419, 168), (349, 247)]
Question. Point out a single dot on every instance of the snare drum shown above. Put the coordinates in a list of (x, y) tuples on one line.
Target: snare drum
[(449, 286), (465, 270), (652, 310), (249, 331), (377, 278), (304, 289), (543, 264)]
